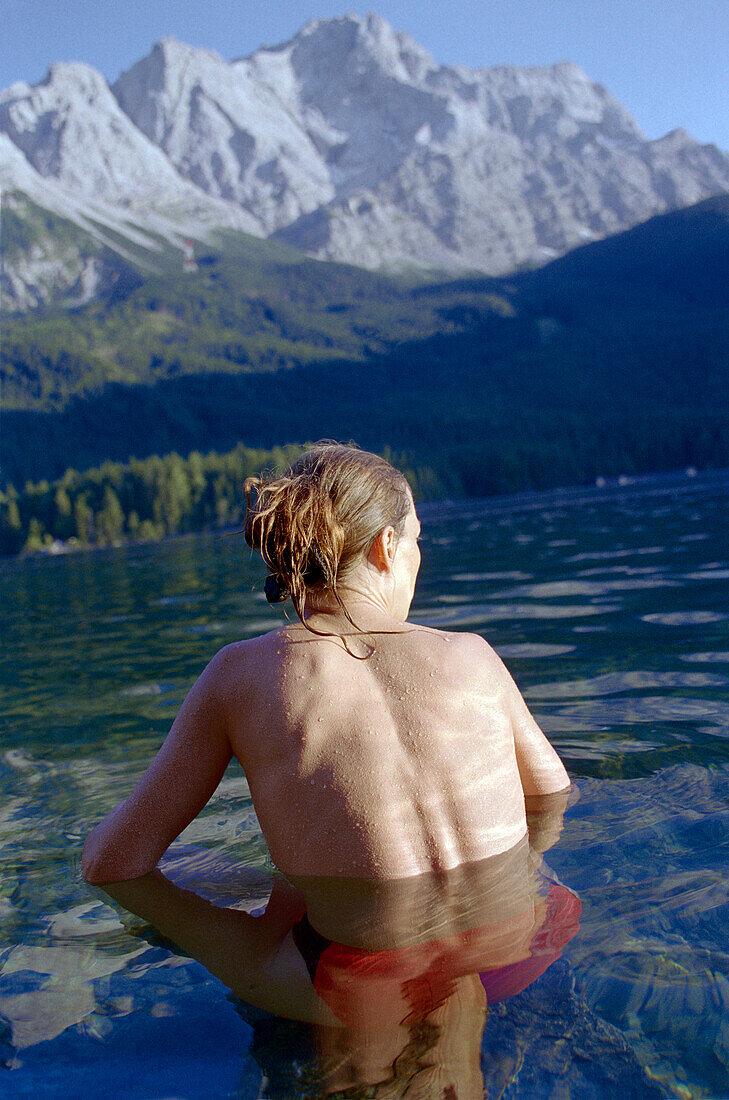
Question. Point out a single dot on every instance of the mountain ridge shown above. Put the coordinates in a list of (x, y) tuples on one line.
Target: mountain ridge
[(348, 142), (612, 359)]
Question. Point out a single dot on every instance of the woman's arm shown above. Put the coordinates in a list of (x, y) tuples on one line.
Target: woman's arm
[(253, 956), (540, 768), (173, 790)]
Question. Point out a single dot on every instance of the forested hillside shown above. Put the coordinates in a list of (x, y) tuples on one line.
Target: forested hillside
[(614, 359), (250, 306)]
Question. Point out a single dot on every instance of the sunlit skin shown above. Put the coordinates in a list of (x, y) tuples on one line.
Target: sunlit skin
[(415, 758), (381, 753), (391, 752)]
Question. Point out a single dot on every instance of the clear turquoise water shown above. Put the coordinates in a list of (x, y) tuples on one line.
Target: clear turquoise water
[(610, 607)]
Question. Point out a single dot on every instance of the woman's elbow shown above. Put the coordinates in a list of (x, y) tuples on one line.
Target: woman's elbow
[(90, 868), (93, 862), (98, 871), (93, 875), (549, 777), (104, 861), (557, 781)]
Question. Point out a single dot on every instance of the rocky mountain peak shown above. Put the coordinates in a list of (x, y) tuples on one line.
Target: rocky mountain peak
[(156, 85), (46, 119), (166, 58), (175, 52), (64, 75), (66, 86), (349, 142), (364, 43), (676, 139), (72, 131)]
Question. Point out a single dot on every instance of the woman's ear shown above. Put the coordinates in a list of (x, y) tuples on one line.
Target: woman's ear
[(382, 550)]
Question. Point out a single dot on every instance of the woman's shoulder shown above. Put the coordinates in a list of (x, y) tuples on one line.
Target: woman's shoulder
[(459, 642), (245, 655), (250, 656)]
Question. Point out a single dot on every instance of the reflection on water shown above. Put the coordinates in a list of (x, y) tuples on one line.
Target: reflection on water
[(612, 612), (403, 1011)]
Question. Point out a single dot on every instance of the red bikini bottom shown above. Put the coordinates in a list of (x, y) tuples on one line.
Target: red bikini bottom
[(376, 989)]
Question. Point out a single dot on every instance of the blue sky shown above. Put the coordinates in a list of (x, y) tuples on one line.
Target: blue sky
[(665, 61)]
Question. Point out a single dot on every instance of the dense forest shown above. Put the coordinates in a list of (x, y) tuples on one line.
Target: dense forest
[(250, 306), (614, 359), (148, 499)]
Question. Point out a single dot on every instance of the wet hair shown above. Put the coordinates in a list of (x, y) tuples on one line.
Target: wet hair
[(314, 522)]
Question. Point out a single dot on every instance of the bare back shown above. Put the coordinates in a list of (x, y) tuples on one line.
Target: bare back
[(387, 771), (386, 767)]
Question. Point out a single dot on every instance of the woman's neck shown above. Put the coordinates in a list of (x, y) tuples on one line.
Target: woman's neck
[(364, 609)]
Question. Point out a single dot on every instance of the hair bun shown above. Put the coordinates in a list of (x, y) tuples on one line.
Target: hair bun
[(311, 523), (316, 568)]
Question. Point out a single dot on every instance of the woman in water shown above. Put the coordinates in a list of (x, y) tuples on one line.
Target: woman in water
[(388, 765)]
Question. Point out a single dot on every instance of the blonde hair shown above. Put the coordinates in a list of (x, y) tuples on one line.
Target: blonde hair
[(311, 524)]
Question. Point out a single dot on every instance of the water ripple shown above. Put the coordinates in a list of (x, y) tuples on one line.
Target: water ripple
[(612, 682), (470, 614), (709, 658), (533, 649), (683, 618), (509, 575), (610, 555), (554, 589), (600, 714)]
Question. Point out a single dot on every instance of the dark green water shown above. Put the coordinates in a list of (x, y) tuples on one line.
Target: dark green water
[(611, 609)]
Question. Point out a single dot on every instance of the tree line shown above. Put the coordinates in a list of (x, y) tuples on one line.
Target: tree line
[(145, 500)]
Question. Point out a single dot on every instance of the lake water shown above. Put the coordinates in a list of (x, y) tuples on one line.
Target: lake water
[(610, 607)]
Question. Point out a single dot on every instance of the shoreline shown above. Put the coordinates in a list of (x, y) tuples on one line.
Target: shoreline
[(603, 488)]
